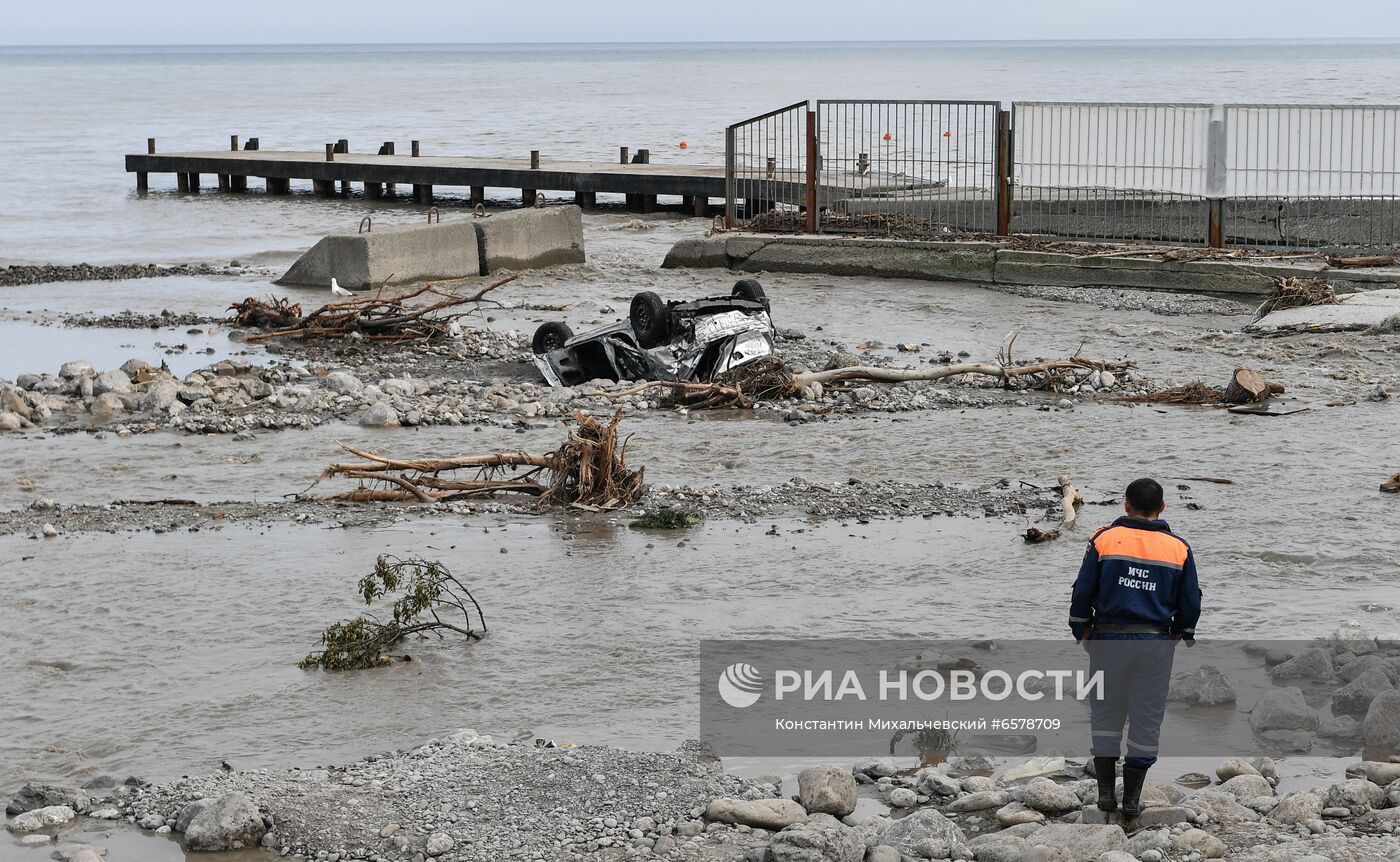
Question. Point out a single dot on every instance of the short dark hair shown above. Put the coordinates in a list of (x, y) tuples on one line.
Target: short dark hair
[(1145, 496)]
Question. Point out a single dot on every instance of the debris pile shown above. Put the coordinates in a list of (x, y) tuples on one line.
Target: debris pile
[(1292, 293), (278, 312)]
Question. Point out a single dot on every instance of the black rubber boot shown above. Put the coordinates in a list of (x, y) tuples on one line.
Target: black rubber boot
[(1106, 771), (1132, 790)]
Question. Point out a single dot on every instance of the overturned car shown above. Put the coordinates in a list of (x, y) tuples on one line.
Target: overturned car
[(695, 340)]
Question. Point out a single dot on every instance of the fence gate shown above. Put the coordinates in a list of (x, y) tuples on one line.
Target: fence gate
[(766, 170), (908, 168), (1094, 170)]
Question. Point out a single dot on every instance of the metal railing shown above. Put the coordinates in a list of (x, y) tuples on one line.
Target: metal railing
[(1284, 176), (766, 181), (907, 168)]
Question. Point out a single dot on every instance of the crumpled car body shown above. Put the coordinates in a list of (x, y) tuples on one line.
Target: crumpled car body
[(707, 338)]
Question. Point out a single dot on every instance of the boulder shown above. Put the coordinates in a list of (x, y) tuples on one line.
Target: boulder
[(1078, 842), (1016, 814), (1042, 794), (882, 853), (12, 401), (1355, 697), (925, 824), (160, 394), (111, 381), (998, 847), (1221, 806), (1199, 841), (182, 820), (343, 383), (380, 415), (771, 814), (827, 790), (1351, 636), (1205, 686), (979, 801), (823, 838), (1381, 773), (76, 368), (438, 844), (1247, 787), (10, 421), (931, 782), (106, 404), (902, 797), (1357, 666), (231, 822), (1283, 709), (1381, 728), (1339, 727), (1234, 766), (875, 767), (978, 783), (1313, 663), (1357, 795), (41, 818), (35, 795)]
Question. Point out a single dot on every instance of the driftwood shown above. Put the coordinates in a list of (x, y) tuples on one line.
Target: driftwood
[(588, 470), (1009, 373), (1070, 500), (275, 313), (1391, 485), (1337, 261), (1246, 386), (377, 317), (1035, 535), (1292, 293)]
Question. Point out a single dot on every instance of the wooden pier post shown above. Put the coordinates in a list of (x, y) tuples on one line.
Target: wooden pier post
[(529, 197), (278, 186), (699, 205), (478, 195), (150, 146), (622, 154), (233, 143), (224, 182), (389, 189), (194, 182), (414, 146), (330, 152), (373, 191), (586, 200), (182, 182), (324, 188), (423, 193), (534, 160), (143, 183)]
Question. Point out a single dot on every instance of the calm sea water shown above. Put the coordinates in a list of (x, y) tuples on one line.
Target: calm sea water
[(72, 113)]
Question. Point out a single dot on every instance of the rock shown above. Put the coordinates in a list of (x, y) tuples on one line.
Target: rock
[(112, 381), (1357, 666), (903, 797), (379, 415), (151, 821), (821, 839), (1351, 636), (105, 814), (875, 767), (1356, 795), (1036, 766), (1149, 841), (1220, 806), (1078, 842), (35, 795), (979, 801), (772, 814), (978, 783), (1266, 767), (1314, 663), (10, 421), (106, 404), (1042, 794), (1380, 773), (76, 368), (396, 386), (925, 824), (1283, 709), (882, 853), (134, 368), (160, 395), (931, 782), (1200, 841), (231, 822), (343, 383), (1234, 766), (13, 402), (1016, 814), (438, 844), (827, 790), (1340, 727), (1246, 787), (1205, 686), (1381, 728), (1355, 697), (41, 818), (842, 359), (182, 820), (998, 847), (1116, 855), (77, 853)]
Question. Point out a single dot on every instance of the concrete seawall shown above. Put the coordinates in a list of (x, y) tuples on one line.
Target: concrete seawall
[(519, 239), (989, 263)]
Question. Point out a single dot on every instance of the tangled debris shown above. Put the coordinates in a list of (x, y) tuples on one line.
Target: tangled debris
[(278, 312), (1292, 293), (1246, 386), (589, 471), (377, 317), (429, 590)]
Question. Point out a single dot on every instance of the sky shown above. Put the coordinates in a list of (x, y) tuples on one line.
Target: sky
[(187, 22)]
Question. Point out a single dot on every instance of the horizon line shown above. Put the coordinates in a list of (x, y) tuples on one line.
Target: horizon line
[(703, 42)]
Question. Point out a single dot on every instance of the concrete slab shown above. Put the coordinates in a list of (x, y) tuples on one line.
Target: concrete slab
[(530, 238), (1372, 310)]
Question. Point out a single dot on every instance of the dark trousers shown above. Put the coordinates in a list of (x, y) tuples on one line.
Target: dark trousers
[(1137, 671)]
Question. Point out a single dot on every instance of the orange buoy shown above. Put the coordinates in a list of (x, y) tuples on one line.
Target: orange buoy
[(888, 136), (947, 134), (685, 145)]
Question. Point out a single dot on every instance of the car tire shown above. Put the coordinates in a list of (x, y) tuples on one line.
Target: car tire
[(750, 289), (550, 336), (650, 319)]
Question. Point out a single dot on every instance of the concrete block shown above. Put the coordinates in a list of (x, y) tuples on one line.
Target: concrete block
[(530, 238), (404, 254), (1065, 270), (928, 261), (707, 252)]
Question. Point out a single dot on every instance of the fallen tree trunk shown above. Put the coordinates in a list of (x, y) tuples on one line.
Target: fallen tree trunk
[(1070, 500), (900, 375)]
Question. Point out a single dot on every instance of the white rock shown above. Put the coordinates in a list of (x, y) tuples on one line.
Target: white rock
[(40, 818), (438, 844)]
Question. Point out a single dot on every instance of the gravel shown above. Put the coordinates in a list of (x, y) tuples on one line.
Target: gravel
[(44, 273)]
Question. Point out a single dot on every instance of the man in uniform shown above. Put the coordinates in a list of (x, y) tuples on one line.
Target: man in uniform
[(1136, 595)]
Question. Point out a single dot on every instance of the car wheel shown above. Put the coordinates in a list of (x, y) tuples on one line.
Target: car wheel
[(551, 336), (750, 289), (650, 319)]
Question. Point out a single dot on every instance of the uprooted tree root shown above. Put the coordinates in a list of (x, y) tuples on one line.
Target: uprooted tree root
[(377, 317), (589, 471)]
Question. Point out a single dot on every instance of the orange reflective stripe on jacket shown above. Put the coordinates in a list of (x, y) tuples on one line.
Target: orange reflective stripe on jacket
[(1141, 546)]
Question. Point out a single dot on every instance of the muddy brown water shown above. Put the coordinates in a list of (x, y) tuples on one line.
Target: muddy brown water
[(164, 654)]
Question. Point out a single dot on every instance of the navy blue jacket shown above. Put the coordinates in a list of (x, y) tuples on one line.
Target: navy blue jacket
[(1136, 572)]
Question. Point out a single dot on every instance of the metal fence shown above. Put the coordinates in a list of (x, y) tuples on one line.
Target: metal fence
[(1284, 176), (766, 179), (907, 167)]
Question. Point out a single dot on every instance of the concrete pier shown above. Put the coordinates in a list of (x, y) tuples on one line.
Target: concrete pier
[(637, 178)]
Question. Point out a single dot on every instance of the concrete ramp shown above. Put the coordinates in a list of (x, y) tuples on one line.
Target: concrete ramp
[(520, 239), (1372, 311)]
